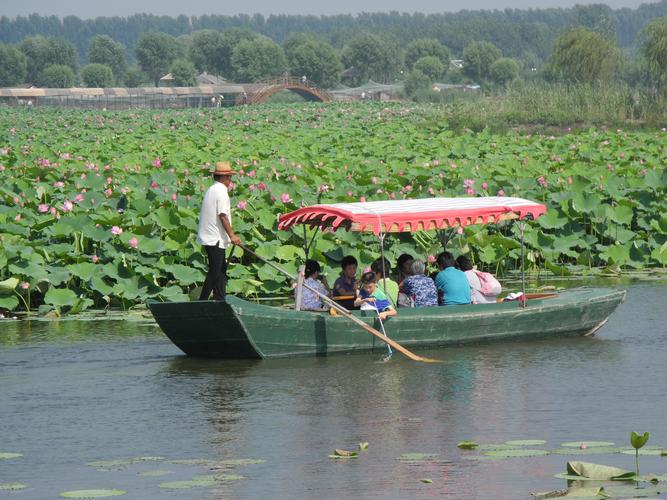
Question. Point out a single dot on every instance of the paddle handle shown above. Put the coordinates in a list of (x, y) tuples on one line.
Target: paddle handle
[(347, 313)]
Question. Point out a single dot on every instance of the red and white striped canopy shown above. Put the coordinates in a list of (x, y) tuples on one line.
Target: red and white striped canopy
[(394, 216)]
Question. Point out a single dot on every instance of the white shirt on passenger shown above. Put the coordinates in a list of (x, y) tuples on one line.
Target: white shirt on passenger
[(476, 295), (216, 202)]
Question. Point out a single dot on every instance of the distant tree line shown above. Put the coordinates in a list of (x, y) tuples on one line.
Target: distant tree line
[(585, 44)]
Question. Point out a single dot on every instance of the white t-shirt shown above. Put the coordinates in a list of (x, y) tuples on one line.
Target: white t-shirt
[(211, 232), (476, 295)]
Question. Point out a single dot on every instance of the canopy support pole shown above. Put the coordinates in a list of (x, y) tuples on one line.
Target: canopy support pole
[(306, 245), (522, 228), (299, 287)]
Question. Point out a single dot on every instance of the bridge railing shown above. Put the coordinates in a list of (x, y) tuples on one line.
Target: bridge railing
[(287, 81)]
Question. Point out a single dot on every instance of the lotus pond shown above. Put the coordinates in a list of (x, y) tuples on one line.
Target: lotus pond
[(100, 208), (110, 407)]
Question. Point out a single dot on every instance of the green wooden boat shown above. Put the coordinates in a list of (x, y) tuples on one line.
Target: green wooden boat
[(242, 329)]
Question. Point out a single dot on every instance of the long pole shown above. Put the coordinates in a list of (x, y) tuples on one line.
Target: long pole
[(347, 314)]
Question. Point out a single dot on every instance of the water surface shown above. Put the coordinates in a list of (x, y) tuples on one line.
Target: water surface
[(73, 392)]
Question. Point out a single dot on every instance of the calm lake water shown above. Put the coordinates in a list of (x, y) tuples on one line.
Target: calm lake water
[(73, 392)]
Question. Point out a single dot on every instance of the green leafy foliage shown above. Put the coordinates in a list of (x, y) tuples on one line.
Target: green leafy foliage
[(66, 174)]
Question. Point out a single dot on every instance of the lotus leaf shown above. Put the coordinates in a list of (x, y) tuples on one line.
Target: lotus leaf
[(521, 452), (467, 445), (12, 486), (60, 297), (92, 493), (638, 440), (182, 485), (594, 471), (526, 442), (8, 285), (7, 455), (155, 473), (242, 461), (593, 450)]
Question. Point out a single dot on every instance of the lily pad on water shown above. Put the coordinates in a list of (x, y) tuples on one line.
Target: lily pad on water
[(595, 450), (155, 473), (417, 457), (521, 452), (526, 442), (192, 461), (587, 444), (596, 492), (643, 451), (633, 491), (594, 471), (7, 455), (497, 446), (467, 445), (426, 480), (183, 485), (111, 464), (12, 486), (242, 461), (92, 493)]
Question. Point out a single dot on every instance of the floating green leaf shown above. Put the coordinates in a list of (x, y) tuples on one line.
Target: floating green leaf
[(587, 444), (594, 471), (467, 445), (183, 485), (12, 486), (6, 455), (92, 493), (426, 480), (526, 442), (155, 473), (242, 461)]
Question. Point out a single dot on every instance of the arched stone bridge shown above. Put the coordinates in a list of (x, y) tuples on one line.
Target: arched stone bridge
[(256, 93)]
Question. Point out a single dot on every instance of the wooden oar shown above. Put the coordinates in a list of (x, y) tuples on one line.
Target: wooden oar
[(348, 315)]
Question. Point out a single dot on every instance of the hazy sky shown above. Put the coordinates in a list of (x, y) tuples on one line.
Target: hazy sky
[(93, 8)]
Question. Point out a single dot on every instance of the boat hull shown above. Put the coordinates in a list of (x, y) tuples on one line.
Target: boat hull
[(242, 329)]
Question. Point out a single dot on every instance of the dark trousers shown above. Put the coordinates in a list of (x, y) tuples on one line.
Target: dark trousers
[(216, 278)]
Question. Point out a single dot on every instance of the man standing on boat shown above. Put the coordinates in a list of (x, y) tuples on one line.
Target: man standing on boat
[(215, 231)]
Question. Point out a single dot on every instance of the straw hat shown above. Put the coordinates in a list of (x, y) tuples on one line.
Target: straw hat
[(224, 168)]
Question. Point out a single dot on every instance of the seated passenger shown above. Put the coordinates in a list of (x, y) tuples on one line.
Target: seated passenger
[(310, 301), (420, 287), (451, 283), (346, 284), (403, 264), (369, 293), (387, 285), (477, 290)]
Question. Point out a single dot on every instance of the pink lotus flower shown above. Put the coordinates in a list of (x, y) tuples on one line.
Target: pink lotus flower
[(67, 206), (350, 193), (431, 191), (78, 198), (241, 205), (459, 230), (542, 181), (374, 180), (485, 186), (501, 192), (115, 230), (285, 198), (18, 217), (53, 211), (95, 259), (252, 187), (157, 162), (134, 242), (108, 192), (362, 199), (251, 174), (261, 186), (83, 175), (44, 162), (154, 185), (65, 156), (59, 184), (468, 183), (42, 208), (470, 191), (25, 285), (173, 197), (16, 200), (431, 259)]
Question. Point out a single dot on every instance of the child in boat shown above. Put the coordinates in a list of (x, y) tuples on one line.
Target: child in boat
[(386, 284), (369, 293), (346, 284), (310, 301)]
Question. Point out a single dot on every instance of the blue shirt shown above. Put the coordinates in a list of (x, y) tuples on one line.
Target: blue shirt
[(422, 289), (453, 284), (381, 303)]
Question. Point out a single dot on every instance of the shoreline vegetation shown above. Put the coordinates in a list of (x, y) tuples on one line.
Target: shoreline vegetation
[(100, 208)]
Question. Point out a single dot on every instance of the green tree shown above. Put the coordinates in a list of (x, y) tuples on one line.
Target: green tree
[(155, 52), (253, 60), (371, 57), (41, 52), (584, 56), (97, 75), (134, 77), (12, 66), (313, 58), (430, 66), (416, 83), (58, 76), (104, 50), (184, 73), (504, 71), (423, 47), (478, 58), (654, 49)]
